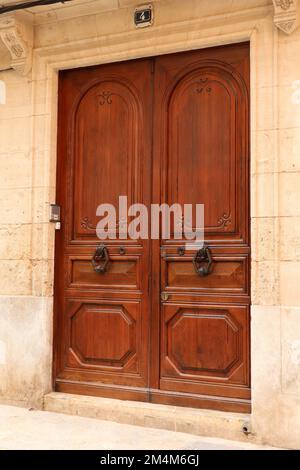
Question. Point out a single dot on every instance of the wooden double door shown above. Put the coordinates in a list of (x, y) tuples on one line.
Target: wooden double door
[(169, 129)]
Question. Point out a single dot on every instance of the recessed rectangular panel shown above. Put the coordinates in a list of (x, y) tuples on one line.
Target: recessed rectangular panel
[(104, 340), (228, 274), (202, 127), (204, 343), (204, 156), (121, 272), (107, 127)]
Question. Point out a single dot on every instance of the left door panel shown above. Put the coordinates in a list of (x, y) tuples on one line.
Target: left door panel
[(104, 151)]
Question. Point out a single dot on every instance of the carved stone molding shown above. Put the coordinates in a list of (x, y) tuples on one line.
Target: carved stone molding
[(16, 34), (286, 15)]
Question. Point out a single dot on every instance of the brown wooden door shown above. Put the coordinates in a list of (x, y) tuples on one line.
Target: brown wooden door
[(172, 129), (102, 321), (201, 155)]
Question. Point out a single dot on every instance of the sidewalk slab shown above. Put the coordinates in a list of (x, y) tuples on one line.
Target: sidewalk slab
[(22, 429)]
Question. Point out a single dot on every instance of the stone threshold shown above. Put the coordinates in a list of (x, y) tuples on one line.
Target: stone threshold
[(207, 423)]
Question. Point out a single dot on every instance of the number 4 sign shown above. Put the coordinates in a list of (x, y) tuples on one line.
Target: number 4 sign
[(143, 16)]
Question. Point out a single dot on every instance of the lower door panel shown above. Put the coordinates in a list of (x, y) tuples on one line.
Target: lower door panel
[(204, 349)]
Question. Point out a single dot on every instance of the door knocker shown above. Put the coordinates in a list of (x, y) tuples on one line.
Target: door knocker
[(203, 261), (100, 259)]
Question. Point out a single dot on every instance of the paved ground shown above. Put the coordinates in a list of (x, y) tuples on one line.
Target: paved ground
[(24, 429)]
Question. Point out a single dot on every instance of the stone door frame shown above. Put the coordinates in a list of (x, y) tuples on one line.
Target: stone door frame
[(255, 25)]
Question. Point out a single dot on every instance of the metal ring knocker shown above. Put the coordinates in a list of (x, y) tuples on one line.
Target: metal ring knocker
[(203, 256), (101, 254)]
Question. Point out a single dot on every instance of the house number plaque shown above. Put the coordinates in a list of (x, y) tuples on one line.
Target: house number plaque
[(143, 16)]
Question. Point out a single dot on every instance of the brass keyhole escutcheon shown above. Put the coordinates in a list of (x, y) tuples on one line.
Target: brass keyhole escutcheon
[(164, 296)]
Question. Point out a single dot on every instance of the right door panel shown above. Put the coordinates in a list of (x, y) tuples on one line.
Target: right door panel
[(202, 157)]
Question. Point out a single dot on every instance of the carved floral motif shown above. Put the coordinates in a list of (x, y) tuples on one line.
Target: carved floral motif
[(105, 98), (286, 15), (224, 221), (284, 4), (202, 86), (87, 225), (11, 40), (16, 33)]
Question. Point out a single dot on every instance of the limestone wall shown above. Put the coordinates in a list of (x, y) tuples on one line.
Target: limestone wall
[(25, 318)]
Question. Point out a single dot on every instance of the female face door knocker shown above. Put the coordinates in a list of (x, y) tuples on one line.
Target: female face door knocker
[(203, 262), (100, 259)]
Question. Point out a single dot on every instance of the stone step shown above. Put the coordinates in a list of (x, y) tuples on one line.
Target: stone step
[(187, 420)]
